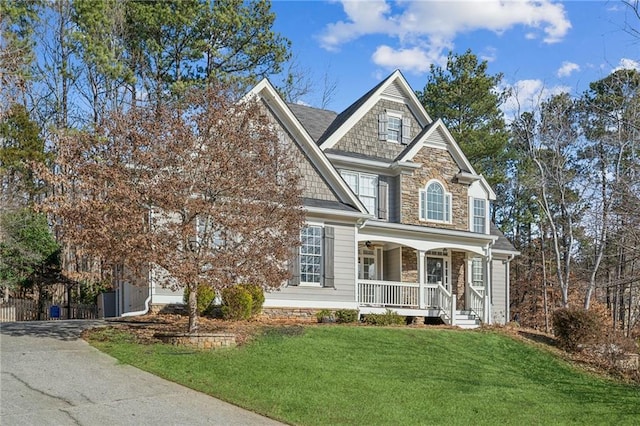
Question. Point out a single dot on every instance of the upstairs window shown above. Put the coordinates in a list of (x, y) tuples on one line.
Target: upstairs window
[(394, 127), (479, 215), (435, 203), (365, 186)]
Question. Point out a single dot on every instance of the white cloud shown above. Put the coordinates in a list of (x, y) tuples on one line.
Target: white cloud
[(527, 95), (627, 64), (413, 60), (567, 68), (417, 24)]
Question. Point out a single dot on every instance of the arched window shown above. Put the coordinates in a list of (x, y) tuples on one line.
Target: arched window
[(435, 203)]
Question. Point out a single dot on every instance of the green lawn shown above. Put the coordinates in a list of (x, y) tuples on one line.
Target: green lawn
[(398, 376)]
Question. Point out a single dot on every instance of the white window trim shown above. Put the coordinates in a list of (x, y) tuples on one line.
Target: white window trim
[(308, 283), (472, 216), (447, 201), (393, 114), (359, 175), (446, 266), (475, 261)]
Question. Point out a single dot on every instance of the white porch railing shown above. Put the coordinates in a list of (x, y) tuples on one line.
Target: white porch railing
[(475, 302), (388, 294), (406, 295)]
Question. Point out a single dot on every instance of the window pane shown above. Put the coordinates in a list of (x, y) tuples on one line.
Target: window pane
[(435, 202), (311, 254), (394, 126), (434, 270), (479, 215)]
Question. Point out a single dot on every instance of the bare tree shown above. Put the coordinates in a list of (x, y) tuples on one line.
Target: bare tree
[(201, 191)]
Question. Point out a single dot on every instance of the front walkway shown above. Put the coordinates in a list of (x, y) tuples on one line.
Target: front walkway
[(50, 376)]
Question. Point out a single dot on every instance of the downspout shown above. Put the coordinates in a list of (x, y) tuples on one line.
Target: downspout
[(508, 287)]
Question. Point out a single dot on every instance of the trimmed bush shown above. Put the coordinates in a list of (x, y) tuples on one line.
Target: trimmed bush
[(344, 316), (204, 296), (574, 327), (257, 298), (388, 318), (325, 315), (236, 303)]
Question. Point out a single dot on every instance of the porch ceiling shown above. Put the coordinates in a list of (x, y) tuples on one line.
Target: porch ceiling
[(427, 241)]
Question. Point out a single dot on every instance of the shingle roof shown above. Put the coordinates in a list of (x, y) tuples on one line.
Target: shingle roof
[(502, 243), (314, 120), (344, 115), (327, 204)]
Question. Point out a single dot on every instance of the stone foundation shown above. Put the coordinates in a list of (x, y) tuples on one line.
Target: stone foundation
[(199, 340), (300, 315), (170, 308)]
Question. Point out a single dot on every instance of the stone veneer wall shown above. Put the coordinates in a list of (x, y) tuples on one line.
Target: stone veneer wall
[(409, 265), (458, 277), (199, 340), (436, 164), (297, 314), (362, 138)]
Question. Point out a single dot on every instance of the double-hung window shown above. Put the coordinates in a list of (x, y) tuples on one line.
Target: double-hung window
[(311, 251), (477, 272), (435, 203), (479, 215), (365, 186), (393, 126)]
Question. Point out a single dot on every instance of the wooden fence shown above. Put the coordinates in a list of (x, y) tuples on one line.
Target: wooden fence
[(27, 310)]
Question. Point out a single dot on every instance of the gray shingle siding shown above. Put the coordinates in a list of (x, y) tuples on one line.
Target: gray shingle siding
[(362, 138)]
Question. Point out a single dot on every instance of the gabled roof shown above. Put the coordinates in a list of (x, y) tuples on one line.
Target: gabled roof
[(265, 91), (502, 243), (346, 119), (315, 120), (452, 146)]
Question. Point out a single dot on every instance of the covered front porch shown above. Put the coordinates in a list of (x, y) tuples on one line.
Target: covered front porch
[(424, 279)]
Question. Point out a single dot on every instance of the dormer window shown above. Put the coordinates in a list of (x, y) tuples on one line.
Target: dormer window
[(394, 127), (435, 203)]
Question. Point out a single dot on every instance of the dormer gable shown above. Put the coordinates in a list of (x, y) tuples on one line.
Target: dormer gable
[(437, 136), (394, 90)]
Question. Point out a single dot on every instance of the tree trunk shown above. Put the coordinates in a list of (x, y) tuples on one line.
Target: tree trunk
[(193, 308)]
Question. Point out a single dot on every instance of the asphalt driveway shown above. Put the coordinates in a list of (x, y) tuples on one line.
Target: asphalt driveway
[(49, 376)]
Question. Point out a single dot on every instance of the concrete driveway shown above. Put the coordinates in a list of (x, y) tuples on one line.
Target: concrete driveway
[(49, 376)]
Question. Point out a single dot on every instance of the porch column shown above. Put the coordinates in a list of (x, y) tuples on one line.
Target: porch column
[(420, 254), (487, 290)]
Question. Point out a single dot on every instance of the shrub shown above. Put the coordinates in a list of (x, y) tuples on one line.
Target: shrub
[(257, 298), (325, 315), (346, 315), (204, 296), (388, 318), (236, 303), (575, 327)]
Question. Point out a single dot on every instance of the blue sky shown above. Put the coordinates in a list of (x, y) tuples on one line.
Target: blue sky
[(541, 47)]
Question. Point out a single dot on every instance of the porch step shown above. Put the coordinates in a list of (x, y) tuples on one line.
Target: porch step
[(466, 319)]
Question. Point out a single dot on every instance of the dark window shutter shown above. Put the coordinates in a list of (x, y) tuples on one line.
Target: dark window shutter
[(383, 200), (406, 130), (329, 255), (294, 266), (382, 127)]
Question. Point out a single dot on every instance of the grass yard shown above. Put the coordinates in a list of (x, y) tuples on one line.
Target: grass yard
[(337, 375)]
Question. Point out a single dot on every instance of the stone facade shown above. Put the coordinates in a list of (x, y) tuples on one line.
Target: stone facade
[(409, 265), (436, 164), (286, 314), (205, 341), (362, 138), (458, 277)]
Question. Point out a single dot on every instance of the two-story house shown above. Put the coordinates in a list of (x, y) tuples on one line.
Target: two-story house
[(397, 218)]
